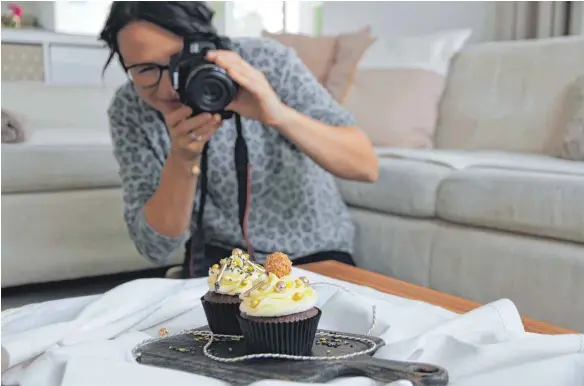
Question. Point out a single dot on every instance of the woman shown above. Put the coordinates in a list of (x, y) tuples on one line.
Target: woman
[(297, 138)]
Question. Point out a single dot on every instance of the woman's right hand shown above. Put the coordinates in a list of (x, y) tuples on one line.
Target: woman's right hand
[(189, 134)]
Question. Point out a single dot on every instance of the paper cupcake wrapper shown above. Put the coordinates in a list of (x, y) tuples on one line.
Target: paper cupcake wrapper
[(291, 338), (222, 317)]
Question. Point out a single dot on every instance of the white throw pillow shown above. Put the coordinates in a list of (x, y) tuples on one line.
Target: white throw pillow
[(398, 85), (431, 52)]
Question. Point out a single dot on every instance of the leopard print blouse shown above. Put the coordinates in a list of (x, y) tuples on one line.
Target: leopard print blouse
[(295, 205)]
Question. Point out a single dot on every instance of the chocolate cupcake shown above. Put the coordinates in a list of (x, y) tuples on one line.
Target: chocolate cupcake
[(233, 276), (278, 315)]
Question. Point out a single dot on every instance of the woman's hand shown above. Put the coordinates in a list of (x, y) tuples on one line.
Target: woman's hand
[(189, 134), (256, 99)]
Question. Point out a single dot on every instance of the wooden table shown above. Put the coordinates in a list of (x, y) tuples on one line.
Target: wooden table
[(403, 289)]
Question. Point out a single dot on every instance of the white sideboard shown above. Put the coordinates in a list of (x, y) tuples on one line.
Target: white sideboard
[(72, 60)]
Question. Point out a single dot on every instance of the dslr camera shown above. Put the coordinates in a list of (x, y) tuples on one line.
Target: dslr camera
[(201, 84)]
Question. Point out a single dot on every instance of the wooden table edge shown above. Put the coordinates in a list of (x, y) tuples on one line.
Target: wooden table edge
[(340, 271)]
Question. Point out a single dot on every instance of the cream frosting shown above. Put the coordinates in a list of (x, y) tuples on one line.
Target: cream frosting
[(237, 278), (271, 299)]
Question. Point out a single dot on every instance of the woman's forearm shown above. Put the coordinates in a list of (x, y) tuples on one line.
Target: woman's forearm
[(170, 209), (345, 152)]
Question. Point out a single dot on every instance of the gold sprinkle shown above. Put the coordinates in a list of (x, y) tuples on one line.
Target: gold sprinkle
[(244, 283), (236, 252), (298, 296), (249, 291), (215, 267), (254, 303), (289, 284), (298, 283), (162, 332), (246, 256), (281, 286)]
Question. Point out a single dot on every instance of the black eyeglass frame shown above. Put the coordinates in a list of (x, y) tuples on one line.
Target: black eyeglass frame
[(161, 68)]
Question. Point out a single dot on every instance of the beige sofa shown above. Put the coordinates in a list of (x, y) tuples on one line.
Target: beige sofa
[(62, 210), (461, 218), (490, 212)]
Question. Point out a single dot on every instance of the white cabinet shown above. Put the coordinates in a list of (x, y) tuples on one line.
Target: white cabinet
[(67, 60), (71, 65), (82, 65)]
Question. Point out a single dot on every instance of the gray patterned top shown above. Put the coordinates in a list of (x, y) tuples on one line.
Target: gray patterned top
[(295, 205)]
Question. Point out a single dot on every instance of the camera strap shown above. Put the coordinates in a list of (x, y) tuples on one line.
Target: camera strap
[(195, 262)]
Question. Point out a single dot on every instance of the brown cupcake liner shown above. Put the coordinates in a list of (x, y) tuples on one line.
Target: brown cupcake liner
[(274, 337), (222, 317)]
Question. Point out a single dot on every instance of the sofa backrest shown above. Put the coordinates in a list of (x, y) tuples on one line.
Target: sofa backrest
[(56, 107), (510, 96)]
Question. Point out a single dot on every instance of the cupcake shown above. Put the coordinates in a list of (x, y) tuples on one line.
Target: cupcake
[(233, 276), (278, 314)]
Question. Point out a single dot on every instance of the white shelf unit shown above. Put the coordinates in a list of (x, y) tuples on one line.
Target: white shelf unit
[(71, 60)]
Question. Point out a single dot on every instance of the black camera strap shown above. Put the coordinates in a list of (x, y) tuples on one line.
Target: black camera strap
[(242, 170), (196, 262)]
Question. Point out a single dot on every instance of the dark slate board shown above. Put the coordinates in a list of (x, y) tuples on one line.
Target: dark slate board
[(182, 352)]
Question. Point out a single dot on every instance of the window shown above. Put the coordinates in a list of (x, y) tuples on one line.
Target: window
[(250, 18), (233, 18), (78, 17)]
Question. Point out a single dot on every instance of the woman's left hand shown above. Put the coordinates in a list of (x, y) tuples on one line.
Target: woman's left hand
[(257, 99)]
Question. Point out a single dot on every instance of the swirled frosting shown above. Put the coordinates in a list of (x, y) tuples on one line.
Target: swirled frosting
[(272, 298), (237, 278)]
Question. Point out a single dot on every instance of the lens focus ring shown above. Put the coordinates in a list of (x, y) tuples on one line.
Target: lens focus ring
[(209, 88)]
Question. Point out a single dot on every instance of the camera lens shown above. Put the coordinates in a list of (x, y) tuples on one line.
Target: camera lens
[(209, 88), (213, 92)]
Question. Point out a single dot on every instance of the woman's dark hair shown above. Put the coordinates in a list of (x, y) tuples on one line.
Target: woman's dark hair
[(183, 18)]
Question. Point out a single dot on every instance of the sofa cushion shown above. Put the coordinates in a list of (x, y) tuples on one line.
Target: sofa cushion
[(316, 52), (12, 128), (510, 95), (463, 159), (59, 159), (397, 88), (57, 107), (530, 202), (410, 180), (349, 51), (405, 187)]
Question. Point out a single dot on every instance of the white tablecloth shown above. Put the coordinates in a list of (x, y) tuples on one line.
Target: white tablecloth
[(88, 340)]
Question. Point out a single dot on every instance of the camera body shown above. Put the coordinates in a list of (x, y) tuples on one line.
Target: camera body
[(200, 84)]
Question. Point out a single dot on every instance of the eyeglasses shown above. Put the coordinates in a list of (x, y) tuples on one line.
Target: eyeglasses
[(146, 75)]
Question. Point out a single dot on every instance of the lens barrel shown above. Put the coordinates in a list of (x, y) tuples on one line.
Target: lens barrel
[(209, 88)]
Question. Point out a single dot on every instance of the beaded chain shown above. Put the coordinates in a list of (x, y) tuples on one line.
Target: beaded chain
[(209, 334)]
